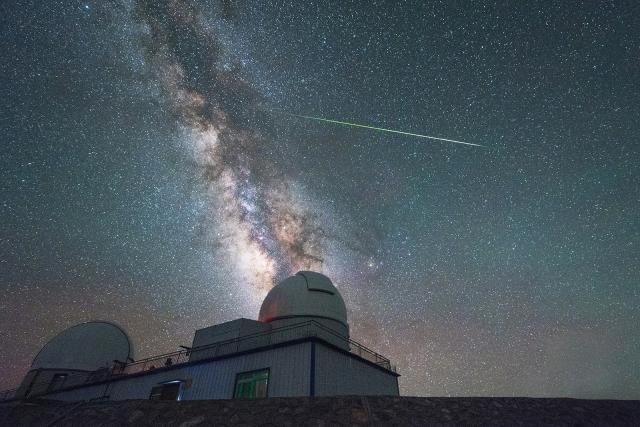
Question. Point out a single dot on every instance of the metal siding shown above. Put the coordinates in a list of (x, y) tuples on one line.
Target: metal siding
[(289, 373), (140, 387), (289, 376), (42, 379), (340, 374), (83, 393), (223, 333)]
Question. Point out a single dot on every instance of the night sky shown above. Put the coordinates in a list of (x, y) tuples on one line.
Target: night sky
[(150, 174)]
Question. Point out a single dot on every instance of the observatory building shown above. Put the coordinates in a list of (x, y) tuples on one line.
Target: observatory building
[(299, 346)]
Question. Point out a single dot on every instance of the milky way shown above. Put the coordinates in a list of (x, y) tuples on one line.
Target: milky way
[(264, 231)]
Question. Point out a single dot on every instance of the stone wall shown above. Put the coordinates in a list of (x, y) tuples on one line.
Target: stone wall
[(326, 411)]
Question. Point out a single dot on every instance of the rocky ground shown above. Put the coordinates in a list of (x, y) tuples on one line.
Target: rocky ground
[(327, 411)]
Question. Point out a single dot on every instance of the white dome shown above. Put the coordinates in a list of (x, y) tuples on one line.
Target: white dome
[(88, 346), (307, 294)]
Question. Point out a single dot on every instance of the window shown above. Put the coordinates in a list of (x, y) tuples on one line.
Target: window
[(57, 382), (167, 391), (252, 385)]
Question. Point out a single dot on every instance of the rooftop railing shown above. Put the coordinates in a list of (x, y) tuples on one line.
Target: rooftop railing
[(309, 328), (283, 334)]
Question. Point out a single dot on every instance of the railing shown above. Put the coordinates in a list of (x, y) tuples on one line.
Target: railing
[(259, 339), (283, 334)]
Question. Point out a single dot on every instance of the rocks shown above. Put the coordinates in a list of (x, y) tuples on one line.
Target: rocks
[(326, 412), (193, 422)]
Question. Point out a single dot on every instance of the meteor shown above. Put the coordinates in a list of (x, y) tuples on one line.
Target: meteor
[(320, 119)]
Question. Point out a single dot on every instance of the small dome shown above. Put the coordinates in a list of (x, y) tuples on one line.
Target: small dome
[(307, 294)]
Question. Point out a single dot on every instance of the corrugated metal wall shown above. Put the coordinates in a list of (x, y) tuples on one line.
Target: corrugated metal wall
[(82, 393), (289, 376), (336, 373), (38, 381), (341, 374)]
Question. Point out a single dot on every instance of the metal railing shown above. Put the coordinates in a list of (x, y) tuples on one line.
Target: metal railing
[(283, 334), (286, 333)]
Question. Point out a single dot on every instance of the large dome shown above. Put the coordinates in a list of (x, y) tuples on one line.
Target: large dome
[(305, 295), (88, 346)]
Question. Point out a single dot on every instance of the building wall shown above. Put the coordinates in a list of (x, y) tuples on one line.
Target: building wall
[(226, 336), (289, 376), (289, 373), (38, 381), (311, 330), (337, 374)]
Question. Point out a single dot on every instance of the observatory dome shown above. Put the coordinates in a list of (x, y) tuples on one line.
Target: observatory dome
[(305, 296), (88, 346)]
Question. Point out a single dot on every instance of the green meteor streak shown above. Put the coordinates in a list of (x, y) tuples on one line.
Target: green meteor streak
[(320, 119)]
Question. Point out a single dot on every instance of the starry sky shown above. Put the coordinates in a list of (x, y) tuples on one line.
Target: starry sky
[(151, 174)]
